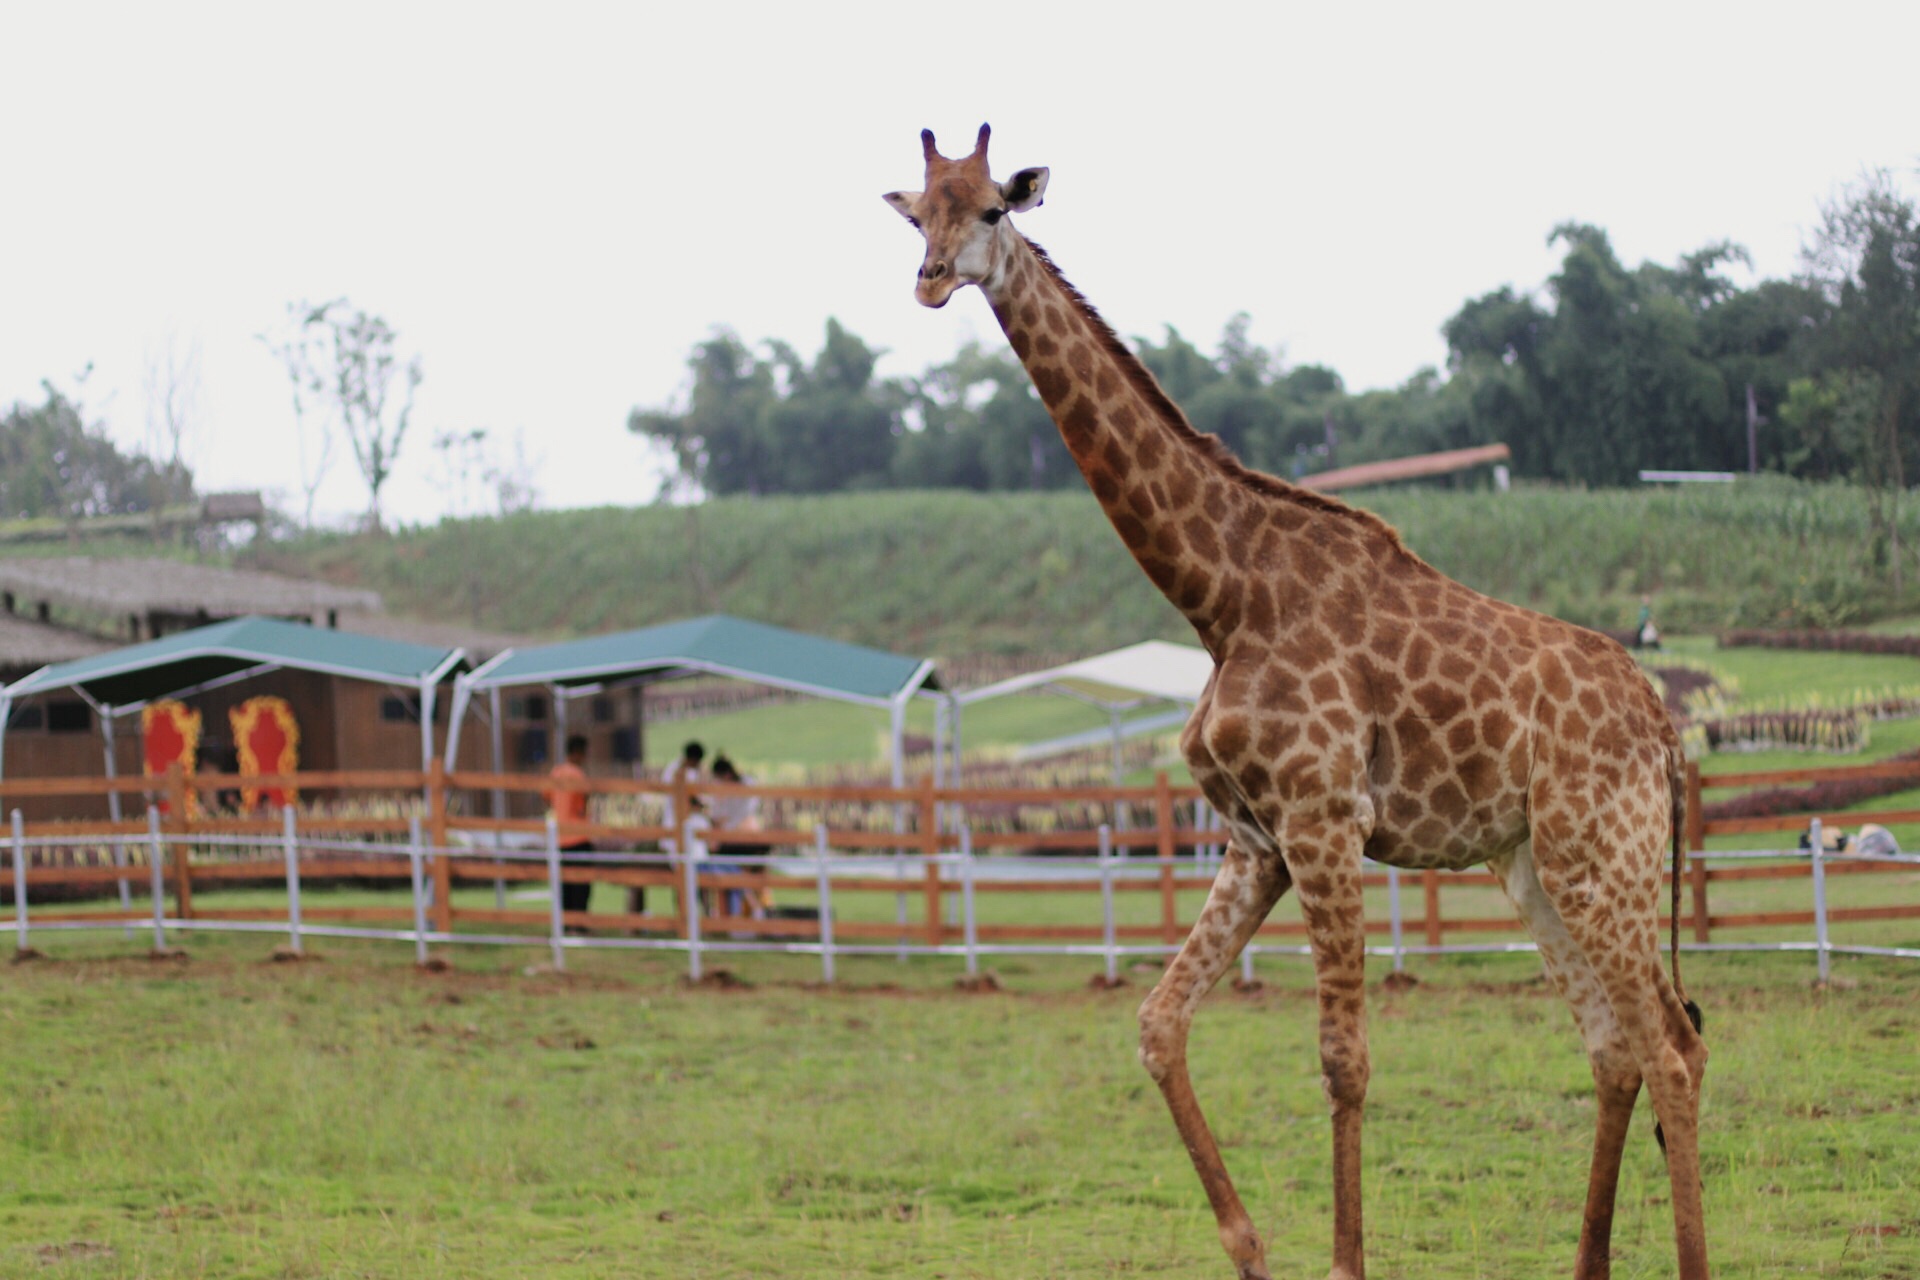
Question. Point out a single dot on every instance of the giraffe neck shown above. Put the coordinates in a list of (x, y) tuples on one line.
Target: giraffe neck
[(1192, 516)]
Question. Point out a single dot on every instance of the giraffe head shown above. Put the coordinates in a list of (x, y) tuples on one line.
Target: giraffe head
[(962, 213)]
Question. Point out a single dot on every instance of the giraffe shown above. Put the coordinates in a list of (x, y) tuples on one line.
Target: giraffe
[(1361, 704)]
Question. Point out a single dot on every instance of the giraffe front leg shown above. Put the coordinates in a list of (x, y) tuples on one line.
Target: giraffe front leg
[(1243, 893), (1324, 856)]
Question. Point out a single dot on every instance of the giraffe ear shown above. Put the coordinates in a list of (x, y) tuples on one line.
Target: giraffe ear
[(1026, 189), (903, 202)]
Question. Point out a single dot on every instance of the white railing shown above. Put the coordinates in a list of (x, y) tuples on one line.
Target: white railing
[(819, 868)]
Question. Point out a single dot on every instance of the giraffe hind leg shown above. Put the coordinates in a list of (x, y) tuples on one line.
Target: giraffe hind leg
[(1615, 926), (1616, 1074), (1243, 893)]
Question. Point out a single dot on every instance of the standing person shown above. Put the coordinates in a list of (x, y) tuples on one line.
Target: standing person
[(740, 813), (568, 803), (686, 768)]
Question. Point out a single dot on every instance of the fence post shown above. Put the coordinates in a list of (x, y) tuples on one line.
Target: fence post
[(119, 850), (1430, 882), (1696, 842), (1163, 825), (970, 925), (156, 855), (1107, 930), (417, 876), (690, 894), (556, 896), (825, 882), (291, 847), (437, 829), (1394, 920), (20, 884), (899, 899), (1817, 838), (930, 854)]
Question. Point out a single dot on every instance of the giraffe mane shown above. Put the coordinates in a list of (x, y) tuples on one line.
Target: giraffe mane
[(1210, 447)]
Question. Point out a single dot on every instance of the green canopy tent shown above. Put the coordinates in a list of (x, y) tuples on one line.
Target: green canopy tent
[(714, 645), (123, 681)]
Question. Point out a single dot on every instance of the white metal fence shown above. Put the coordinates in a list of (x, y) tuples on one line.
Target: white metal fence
[(962, 871)]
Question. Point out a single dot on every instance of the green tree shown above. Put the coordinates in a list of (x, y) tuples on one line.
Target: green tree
[(977, 423), (834, 428), (52, 463), (1865, 263), (717, 440), (773, 423), (1612, 379)]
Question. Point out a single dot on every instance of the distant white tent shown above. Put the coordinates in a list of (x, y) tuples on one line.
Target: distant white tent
[(1116, 683)]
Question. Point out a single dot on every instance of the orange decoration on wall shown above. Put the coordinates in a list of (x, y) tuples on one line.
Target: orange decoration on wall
[(267, 739), (169, 735)]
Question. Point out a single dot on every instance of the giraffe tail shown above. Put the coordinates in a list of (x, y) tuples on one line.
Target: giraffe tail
[(1678, 780)]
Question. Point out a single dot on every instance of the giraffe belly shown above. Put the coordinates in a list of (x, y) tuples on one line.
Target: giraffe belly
[(1415, 835)]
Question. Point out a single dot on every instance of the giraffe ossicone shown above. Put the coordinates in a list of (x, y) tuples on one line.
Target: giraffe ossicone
[(1362, 705)]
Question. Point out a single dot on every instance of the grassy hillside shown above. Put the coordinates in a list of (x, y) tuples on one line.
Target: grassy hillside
[(949, 573)]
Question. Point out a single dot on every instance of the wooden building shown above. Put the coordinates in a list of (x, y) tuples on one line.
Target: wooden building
[(62, 610)]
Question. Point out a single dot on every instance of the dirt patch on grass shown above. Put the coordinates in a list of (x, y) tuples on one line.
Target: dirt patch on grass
[(73, 1251)]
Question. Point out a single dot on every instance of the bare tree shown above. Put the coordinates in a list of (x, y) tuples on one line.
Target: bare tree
[(296, 347), (515, 480), (173, 407), (347, 373)]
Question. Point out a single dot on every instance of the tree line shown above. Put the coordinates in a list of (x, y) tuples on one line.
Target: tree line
[(56, 465), (1602, 372)]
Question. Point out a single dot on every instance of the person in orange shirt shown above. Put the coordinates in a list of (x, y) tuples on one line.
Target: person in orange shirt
[(570, 805)]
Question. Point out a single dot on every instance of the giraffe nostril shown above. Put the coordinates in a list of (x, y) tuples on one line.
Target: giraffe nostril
[(933, 270)]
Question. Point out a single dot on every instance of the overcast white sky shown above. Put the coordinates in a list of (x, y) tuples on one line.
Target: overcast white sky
[(553, 203)]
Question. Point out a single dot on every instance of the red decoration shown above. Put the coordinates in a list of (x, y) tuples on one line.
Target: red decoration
[(169, 736), (267, 740)]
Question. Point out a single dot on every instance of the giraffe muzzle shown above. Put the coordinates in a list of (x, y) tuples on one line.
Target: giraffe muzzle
[(936, 284)]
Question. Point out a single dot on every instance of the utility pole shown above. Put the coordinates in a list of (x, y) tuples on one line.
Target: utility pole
[(1754, 422)]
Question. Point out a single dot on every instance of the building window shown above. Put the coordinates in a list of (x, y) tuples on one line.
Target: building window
[(532, 749), (398, 710), (28, 716), (527, 706), (68, 717), (626, 745), (603, 709)]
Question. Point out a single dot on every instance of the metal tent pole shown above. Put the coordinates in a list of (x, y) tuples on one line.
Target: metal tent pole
[(1108, 930), (20, 884), (116, 845)]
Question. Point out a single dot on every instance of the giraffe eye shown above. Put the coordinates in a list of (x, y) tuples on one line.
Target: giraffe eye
[(992, 216)]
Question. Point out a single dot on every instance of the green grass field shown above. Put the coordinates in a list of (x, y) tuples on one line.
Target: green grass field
[(227, 1117), (351, 1116)]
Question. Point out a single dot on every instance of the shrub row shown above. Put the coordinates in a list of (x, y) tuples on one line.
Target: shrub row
[(1817, 797), (1839, 641), (1825, 730)]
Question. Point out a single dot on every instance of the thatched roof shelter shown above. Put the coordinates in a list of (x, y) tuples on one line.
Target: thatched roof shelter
[(143, 598), (27, 646)]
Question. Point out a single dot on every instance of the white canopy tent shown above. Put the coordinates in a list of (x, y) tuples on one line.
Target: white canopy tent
[(1117, 682)]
